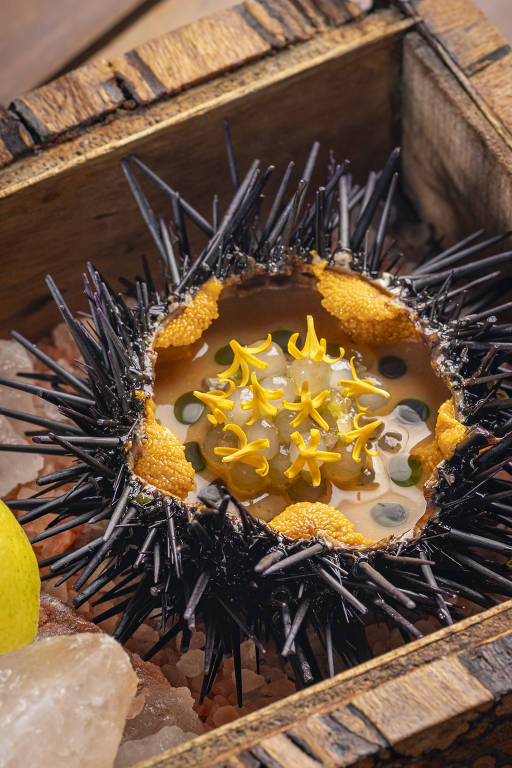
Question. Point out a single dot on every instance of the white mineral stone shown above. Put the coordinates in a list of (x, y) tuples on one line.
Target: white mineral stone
[(15, 358), (15, 468), (191, 663), (250, 680), (64, 701), (164, 705), (131, 752)]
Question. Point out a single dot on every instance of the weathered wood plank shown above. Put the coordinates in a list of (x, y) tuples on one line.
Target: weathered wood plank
[(73, 100), (80, 185), (483, 58), (456, 168), (188, 55), (41, 37), (413, 711), (491, 664), (15, 140), (356, 706)]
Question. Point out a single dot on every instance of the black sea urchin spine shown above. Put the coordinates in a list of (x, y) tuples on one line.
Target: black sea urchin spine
[(157, 557)]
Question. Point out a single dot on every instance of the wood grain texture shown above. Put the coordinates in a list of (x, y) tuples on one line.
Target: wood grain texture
[(413, 712), (164, 16), (73, 100), (79, 184), (194, 53), (480, 55), (456, 167), (354, 721), (39, 37), (15, 140)]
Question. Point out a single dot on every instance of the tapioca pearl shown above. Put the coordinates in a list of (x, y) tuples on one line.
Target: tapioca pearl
[(238, 415), (245, 478), (340, 370), (213, 382), (337, 404), (390, 514), (278, 465), (280, 382), (274, 357), (316, 374), (344, 471), (294, 451), (264, 429), (344, 424), (374, 401), (283, 422), (217, 437), (390, 442), (302, 489)]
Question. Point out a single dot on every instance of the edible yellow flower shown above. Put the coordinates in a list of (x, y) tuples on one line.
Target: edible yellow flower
[(217, 401), (243, 357), (313, 348), (308, 407), (260, 401), (248, 453), (359, 387), (360, 435), (309, 455)]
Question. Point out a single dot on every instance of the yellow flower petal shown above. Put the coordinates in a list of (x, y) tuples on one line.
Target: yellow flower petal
[(247, 453), (243, 357)]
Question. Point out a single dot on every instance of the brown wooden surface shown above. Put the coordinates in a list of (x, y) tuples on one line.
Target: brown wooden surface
[(190, 54), (456, 168), (476, 52), (421, 705), (78, 186), (172, 62), (39, 37), (70, 102), (15, 140), (161, 17)]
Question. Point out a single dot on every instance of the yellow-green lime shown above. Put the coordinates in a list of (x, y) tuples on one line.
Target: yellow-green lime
[(19, 585)]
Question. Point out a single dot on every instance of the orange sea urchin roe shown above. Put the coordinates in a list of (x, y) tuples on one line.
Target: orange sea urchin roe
[(197, 316), (162, 461), (306, 520), (368, 315), (449, 432)]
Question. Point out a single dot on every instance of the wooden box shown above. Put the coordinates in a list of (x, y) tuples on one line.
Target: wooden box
[(433, 76)]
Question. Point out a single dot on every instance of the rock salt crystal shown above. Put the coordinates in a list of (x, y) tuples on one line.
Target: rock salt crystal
[(197, 640), (250, 680), (191, 663), (143, 639), (15, 468), (225, 715), (248, 654), (15, 358), (131, 752), (64, 701), (163, 706), (174, 676)]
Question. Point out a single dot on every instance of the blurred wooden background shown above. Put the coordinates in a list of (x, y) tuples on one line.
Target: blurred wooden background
[(42, 38)]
